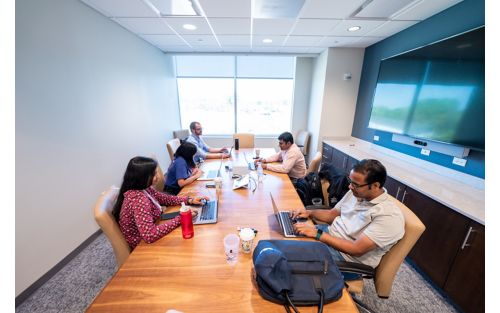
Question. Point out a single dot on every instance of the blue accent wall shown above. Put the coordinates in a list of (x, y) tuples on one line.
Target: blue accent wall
[(462, 17)]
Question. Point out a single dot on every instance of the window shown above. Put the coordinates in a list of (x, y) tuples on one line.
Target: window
[(228, 94)]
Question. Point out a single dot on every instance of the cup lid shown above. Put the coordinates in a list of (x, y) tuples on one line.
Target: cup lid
[(247, 234)]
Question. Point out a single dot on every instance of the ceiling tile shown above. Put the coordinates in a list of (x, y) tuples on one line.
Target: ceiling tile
[(200, 40), (230, 26), (277, 41), (199, 22), (272, 26), (366, 26), (236, 48), (164, 40), (224, 8), (233, 40), (425, 9), (295, 49), (336, 41), (338, 9), (122, 8), (303, 41), (207, 49), (266, 49), (314, 26), (364, 42), (144, 25), (390, 28)]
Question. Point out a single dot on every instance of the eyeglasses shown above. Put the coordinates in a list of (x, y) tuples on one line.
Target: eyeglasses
[(356, 185)]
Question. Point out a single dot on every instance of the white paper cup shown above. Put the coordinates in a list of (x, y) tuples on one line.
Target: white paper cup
[(257, 153), (231, 248), (247, 235)]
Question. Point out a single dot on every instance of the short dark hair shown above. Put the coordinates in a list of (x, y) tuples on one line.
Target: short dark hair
[(286, 137), (373, 169), (186, 151), (192, 126)]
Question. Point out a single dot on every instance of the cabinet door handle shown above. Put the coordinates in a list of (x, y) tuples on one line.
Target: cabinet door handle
[(397, 193), (404, 196), (465, 244)]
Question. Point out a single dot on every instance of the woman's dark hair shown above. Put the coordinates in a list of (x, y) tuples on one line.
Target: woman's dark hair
[(138, 176), (186, 151), (373, 169)]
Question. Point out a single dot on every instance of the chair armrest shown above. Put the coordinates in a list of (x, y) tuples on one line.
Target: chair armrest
[(357, 268), (318, 207)]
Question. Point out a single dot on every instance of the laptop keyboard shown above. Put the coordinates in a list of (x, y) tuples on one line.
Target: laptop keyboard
[(287, 223), (208, 211)]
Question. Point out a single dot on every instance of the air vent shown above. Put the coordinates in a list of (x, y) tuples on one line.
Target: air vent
[(380, 9), (277, 8)]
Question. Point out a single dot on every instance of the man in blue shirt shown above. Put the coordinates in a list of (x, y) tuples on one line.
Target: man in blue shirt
[(203, 150)]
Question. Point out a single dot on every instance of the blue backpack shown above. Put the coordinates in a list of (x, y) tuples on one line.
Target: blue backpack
[(297, 273)]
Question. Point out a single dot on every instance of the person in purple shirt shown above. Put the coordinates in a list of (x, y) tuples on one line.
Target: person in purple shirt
[(182, 171)]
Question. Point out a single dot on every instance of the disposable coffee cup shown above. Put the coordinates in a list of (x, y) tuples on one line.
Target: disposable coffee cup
[(218, 182), (247, 235), (231, 248), (257, 153)]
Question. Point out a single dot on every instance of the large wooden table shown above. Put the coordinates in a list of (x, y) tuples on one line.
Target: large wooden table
[(192, 275)]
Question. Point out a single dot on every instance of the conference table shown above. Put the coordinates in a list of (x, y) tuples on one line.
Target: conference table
[(192, 275)]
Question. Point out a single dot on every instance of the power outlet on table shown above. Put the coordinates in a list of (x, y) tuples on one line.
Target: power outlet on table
[(425, 151), (376, 138)]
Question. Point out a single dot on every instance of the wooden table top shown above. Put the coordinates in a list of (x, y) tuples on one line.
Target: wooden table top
[(192, 275)]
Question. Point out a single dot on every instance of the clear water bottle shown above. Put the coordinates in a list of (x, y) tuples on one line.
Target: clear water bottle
[(260, 172)]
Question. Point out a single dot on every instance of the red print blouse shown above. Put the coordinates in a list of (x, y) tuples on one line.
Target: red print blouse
[(139, 213)]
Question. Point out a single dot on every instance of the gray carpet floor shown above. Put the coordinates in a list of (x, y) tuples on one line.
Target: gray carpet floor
[(74, 287)]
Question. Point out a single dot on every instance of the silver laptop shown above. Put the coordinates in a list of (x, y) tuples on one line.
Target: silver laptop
[(285, 221), (208, 213), (251, 164), (211, 174)]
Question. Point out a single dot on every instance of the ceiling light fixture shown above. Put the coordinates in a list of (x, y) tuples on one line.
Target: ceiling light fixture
[(354, 28), (189, 26), (267, 40)]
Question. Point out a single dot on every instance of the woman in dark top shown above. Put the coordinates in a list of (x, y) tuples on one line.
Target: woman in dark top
[(138, 205), (182, 171)]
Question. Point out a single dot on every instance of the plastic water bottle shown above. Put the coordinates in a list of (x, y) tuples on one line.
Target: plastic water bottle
[(260, 172), (186, 222)]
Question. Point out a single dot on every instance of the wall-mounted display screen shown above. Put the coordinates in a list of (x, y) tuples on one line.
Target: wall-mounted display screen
[(435, 92)]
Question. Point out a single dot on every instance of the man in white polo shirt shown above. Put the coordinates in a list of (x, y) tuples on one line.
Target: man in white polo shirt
[(364, 224)]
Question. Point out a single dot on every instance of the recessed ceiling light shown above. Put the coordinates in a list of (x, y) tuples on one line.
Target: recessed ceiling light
[(354, 28), (189, 26), (267, 40)]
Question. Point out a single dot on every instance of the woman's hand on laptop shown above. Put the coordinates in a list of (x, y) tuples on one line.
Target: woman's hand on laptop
[(198, 200), (197, 173), (299, 213)]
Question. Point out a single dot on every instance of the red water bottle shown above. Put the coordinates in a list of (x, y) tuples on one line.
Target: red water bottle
[(186, 222)]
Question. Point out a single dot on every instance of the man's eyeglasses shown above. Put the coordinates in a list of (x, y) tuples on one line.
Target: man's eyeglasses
[(356, 185)]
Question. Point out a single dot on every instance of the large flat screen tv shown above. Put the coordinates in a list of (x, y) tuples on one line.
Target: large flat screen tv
[(435, 92)]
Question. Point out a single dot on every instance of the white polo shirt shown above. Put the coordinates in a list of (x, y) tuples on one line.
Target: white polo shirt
[(380, 220)]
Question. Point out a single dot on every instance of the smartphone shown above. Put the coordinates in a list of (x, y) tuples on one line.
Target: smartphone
[(167, 216)]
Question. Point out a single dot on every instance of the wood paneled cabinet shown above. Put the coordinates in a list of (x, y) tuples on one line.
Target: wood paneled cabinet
[(450, 251), (338, 158)]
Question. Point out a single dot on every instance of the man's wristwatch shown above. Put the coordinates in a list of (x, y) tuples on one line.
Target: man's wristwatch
[(318, 234)]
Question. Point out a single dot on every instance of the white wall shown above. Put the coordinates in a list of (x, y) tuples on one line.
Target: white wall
[(89, 96), (333, 99)]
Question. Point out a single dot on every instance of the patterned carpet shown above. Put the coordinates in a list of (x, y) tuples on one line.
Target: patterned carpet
[(78, 283)]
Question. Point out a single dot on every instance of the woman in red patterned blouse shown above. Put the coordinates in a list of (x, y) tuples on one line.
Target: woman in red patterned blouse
[(138, 206)]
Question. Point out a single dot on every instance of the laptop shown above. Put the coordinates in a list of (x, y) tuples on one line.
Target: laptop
[(208, 213), (251, 164), (285, 221), (211, 174)]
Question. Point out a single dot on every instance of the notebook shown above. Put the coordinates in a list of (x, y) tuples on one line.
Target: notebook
[(208, 213), (285, 221)]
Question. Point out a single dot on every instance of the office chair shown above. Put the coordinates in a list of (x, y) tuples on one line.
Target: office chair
[(109, 226), (315, 163), (172, 146), (181, 134), (384, 274), (246, 140), (302, 141)]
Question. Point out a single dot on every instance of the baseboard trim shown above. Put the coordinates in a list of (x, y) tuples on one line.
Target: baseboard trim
[(42, 280)]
